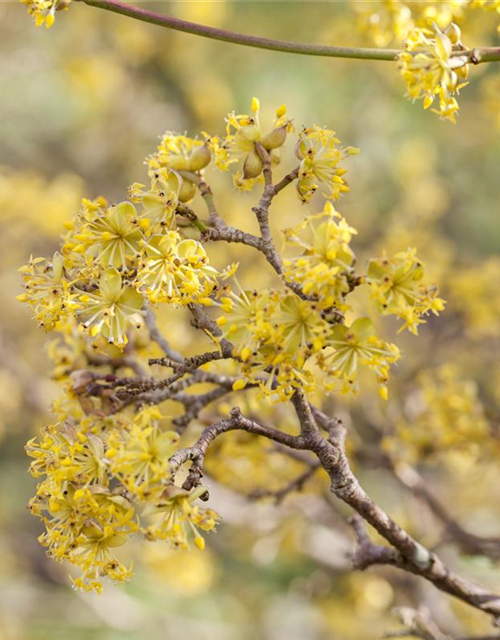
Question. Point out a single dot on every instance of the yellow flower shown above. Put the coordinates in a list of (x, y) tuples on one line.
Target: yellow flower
[(111, 309), (243, 132), (43, 11), (176, 271), (397, 288), (358, 345), (319, 159), (113, 235), (68, 455), (46, 290), (139, 458), (246, 319), (430, 71), (327, 258), (176, 515), (160, 201), (181, 153)]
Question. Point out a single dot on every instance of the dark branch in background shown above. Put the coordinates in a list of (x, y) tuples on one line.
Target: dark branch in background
[(294, 485), (409, 477), (468, 542), (157, 337), (404, 552)]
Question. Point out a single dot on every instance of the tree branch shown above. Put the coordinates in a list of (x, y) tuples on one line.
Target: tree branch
[(475, 56)]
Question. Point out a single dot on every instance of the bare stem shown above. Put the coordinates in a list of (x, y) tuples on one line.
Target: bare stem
[(476, 55)]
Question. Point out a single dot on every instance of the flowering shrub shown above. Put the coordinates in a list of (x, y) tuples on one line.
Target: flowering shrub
[(118, 462), (105, 461)]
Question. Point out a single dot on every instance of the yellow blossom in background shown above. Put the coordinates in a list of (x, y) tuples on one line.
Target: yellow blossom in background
[(444, 415), (475, 295), (487, 5), (390, 21), (397, 288)]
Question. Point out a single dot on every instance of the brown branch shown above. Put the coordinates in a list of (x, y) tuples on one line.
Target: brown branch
[(288, 179), (367, 553), (409, 477), (197, 452), (417, 624), (189, 214), (189, 364), (468, 542), (201, 320), (232, 235), (476, 55), (297, 484), (414, 557), (214, 219)]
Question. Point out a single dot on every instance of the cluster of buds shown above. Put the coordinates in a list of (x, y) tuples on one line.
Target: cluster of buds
[(248, 145)]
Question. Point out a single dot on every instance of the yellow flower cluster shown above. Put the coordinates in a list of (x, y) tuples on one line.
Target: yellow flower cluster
[(355, 345), (327, 260), (397, 288), (115, 258), (46, 290), (279, 338), (104, 480), (390, 21), (43, 11), (243, 134), (319, 158), (432, 71), (104, 464)]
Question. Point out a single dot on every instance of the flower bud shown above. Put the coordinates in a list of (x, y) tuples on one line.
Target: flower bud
[(275, 139), (200, 158), (253, 165), (454, 34), (188, 189), (280, 111), (250, 132), (178, 163)]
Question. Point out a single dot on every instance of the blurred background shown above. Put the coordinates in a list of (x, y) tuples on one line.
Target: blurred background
[(81, 106)]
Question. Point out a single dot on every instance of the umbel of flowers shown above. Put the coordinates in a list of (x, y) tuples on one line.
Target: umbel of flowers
[(105, 464)]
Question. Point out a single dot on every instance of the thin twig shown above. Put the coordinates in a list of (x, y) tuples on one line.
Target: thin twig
[(475, 56)]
